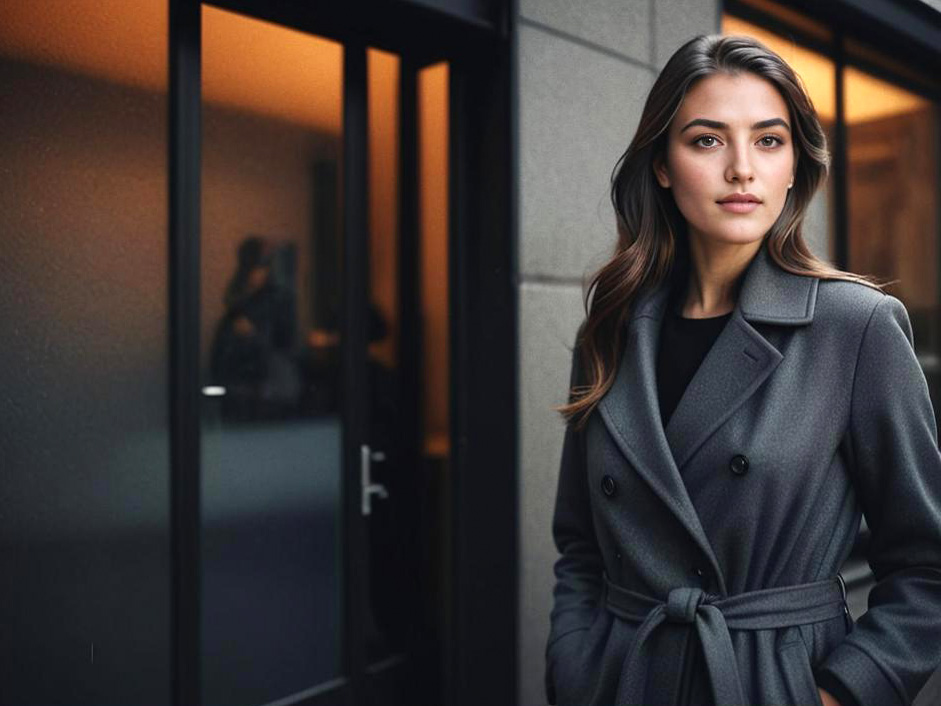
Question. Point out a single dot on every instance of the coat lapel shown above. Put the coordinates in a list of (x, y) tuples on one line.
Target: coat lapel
[(736, 365)]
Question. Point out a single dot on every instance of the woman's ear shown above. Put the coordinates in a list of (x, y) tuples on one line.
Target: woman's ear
[(660, 171)]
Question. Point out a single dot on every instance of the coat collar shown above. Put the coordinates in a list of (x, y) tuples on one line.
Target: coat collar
[(768, 295), (737, 364)]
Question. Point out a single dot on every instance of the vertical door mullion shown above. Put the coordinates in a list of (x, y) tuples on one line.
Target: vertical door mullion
[(355, 288), (409, 306), (183, 286), (459, 678)]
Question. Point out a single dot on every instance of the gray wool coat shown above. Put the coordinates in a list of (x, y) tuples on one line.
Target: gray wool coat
[(680, 548)]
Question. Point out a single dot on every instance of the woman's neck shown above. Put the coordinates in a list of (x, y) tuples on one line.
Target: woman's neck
[(715, 276)]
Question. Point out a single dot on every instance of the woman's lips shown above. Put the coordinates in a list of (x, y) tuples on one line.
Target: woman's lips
[(738, 206)]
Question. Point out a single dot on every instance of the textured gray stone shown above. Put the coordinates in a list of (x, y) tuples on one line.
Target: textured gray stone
[(578, 111), (817, 225), (677, 21), (549, 318), (620, 25)]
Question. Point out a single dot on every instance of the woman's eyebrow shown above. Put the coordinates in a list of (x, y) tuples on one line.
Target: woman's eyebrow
[(724, 126)]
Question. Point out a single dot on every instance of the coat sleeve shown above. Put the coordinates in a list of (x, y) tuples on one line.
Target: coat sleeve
[(578, 571), (896, 467)]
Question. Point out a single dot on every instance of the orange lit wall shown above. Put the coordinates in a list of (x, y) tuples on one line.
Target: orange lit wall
[(266, 121), (78, 36), (382, 71), (433, 220), (297, 81)]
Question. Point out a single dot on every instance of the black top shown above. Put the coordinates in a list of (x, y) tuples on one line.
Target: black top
[(684, 344)]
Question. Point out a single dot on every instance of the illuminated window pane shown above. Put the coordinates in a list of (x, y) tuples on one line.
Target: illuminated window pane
[(272, 593), (893, 188)]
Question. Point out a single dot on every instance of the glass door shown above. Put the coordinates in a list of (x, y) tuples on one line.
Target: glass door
[(310, 551)]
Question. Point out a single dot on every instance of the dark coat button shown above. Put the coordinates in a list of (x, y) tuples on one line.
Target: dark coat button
[(738, 464), (701, 577), (608, 486)]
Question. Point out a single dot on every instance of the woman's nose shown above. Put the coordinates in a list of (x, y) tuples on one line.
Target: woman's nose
[(739, 167)]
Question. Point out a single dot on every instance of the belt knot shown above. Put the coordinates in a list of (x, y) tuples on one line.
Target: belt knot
[(682, 604)]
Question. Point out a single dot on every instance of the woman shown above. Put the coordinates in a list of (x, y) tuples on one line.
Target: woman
[(735, 405), (253, 342)]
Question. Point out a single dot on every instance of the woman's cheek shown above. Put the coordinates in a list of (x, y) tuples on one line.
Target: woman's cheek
[(692, 191)]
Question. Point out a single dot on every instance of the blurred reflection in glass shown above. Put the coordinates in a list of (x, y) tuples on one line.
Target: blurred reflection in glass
[(253, 354), (893, 195), (273, 597)]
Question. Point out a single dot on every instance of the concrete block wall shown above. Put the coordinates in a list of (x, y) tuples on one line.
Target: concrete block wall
[(584, 68)]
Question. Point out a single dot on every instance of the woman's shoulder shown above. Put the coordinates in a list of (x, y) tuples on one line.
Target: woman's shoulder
[(843, 303)]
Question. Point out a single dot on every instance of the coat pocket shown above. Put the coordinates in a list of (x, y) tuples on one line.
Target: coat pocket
[(564, 667), (797, 672)]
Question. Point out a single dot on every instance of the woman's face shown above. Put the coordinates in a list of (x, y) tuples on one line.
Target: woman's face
[(750, 152)]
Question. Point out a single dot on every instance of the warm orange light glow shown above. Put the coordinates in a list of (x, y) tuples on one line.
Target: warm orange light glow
[(272, 70), (867, 98), (90, 37), (817, 72), (248, 60), (433, 222), (382, 75)]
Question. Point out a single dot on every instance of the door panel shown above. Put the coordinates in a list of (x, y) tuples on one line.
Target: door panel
[(272, 431), (309, 366), (310, 477)]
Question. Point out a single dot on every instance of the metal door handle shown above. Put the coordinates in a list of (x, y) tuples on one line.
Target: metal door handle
[(366, 457)]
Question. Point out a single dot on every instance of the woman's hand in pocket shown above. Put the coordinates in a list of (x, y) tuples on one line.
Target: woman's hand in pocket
[(827, 699)]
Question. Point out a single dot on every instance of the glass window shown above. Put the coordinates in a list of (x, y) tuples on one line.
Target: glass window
[(433, 222), (84, 500), (892, 183), (272, 594)]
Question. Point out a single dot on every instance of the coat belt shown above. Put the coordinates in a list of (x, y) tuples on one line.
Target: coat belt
[(713, 617)]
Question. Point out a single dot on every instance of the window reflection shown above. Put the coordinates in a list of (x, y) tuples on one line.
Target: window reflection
[(893, 188), (272, 550), (261, 366), (252, 353)]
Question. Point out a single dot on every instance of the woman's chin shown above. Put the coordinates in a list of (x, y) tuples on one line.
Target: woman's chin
[(725, 236)]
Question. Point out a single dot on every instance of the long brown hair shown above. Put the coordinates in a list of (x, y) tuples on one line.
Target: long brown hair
[(652, 233)]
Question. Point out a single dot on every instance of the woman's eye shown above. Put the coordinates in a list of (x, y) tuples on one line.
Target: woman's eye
[(774, 140), (766, 141)]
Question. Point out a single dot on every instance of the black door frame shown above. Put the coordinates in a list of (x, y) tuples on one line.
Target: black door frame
[(481, 635), (183, 289)]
